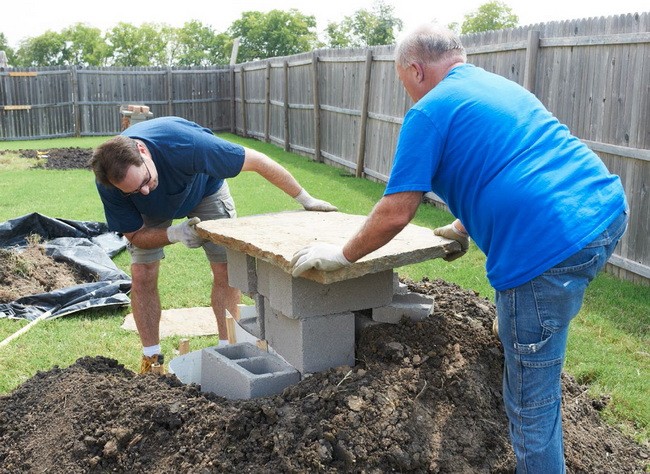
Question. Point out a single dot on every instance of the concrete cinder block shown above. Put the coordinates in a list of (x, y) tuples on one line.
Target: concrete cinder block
[(414, 306), (243, 371), (399, 288), (301, 298), (241, 271), (314, 344)]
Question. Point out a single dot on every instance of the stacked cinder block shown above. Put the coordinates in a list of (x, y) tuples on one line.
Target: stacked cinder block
[(312, 325), (309, 327)]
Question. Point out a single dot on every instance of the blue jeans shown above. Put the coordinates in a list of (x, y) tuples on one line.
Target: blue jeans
[(533, 327)]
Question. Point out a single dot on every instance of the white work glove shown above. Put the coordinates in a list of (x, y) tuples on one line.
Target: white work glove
[(320, 256), (185, 232), (451, 232), (313, 204)]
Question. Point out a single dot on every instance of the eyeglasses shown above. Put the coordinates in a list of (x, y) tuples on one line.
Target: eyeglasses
[(144, 183)]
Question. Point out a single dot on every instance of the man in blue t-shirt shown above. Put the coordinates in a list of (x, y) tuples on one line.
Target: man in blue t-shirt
[(536, 200), (170, 168)]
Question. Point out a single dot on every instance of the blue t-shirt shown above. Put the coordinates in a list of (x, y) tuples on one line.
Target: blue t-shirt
[(529, 193), (191, 163)]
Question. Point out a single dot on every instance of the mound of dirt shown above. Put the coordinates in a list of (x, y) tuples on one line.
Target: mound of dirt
[(59, 158), (424, 397), (30, 272)]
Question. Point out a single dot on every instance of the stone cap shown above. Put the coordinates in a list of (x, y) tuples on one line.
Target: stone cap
[(276, 237)]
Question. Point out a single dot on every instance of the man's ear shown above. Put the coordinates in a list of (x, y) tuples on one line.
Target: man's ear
[(418, 71)]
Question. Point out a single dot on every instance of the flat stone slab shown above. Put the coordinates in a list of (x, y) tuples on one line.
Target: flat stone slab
[(276, 237), (198, 321)]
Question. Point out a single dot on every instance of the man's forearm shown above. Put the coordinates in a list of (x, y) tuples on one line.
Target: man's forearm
[(148, 238), (389, 216), (272, 172)]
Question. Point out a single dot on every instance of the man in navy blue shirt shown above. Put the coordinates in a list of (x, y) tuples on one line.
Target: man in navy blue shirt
[(170, 168)]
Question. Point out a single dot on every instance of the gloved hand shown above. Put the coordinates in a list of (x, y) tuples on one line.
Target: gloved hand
[(313, 204), (320, 256), (452, 233), (185, 232)]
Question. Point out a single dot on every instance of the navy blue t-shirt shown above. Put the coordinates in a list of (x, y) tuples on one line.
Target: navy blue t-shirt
[(191, 163)]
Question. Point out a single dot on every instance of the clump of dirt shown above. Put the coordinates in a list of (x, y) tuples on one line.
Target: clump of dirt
[(59, 158), (423, 397), (29, 271)]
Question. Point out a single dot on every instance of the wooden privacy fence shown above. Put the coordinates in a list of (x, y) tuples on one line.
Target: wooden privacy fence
[(65, 102), (345, 107)]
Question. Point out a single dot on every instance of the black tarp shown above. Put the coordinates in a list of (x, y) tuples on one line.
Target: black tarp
[(89, 246)]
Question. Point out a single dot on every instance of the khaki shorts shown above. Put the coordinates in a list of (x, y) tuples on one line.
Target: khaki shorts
[(219, 205)]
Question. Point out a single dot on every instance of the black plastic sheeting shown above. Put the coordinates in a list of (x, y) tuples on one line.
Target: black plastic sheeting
[(89, 246)]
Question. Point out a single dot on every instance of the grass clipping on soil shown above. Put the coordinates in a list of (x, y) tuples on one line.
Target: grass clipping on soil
[(30, 271)]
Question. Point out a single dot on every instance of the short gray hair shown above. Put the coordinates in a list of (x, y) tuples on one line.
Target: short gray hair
[(429, 44)]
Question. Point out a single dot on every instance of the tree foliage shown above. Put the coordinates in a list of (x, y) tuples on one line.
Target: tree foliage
[(85, 46), (374, 27), (198, 45), (144, 45), (490, 16), (273, 34), (48, 49), (4, 46), (261, 35)]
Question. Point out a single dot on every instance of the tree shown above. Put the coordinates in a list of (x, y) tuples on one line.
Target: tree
[(4, 46), (144, 45), (199, 45), (489, 16), (273, 34), (85, 46), (48, 49), (365, 28)]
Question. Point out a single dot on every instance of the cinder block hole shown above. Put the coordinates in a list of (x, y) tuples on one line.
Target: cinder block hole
[(239, 351), (260, 366)]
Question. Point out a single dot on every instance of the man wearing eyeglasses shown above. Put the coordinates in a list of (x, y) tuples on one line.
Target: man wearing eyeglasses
[(170, 168)]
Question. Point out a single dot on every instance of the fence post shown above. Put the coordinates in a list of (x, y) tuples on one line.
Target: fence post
[(75, 101), (170, 92), (317, 132), (287, 142), (242, 91), (364, 116), (233, 107), (532, 49), (267, 108)]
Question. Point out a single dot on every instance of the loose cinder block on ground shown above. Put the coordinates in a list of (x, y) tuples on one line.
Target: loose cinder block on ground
[(313, 344), (300, 298), (243, 371), (414, 306)]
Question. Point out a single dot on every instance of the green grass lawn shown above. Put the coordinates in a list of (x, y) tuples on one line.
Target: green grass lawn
[(608, 345)]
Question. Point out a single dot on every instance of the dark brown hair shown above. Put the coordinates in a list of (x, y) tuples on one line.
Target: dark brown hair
[(112, 159)]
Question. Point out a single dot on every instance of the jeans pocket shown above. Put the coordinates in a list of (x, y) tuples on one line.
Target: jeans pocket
[(540, 385), (533, 347)]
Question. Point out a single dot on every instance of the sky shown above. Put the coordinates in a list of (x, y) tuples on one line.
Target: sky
[(20, 19)]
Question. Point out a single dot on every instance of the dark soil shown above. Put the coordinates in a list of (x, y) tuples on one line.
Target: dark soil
[(423, 397), (59, 158)]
